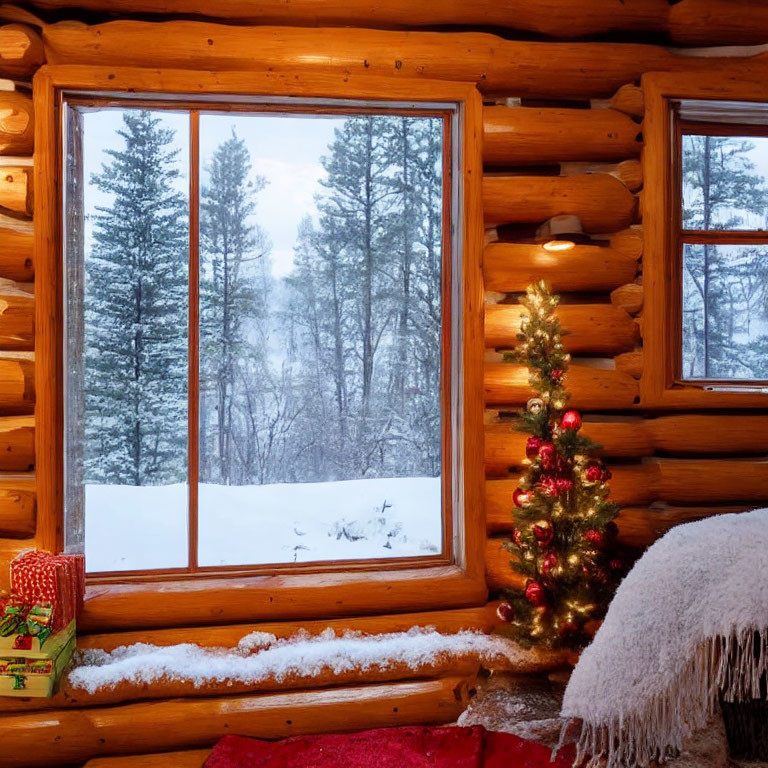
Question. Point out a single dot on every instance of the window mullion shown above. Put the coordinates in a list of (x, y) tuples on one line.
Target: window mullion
[(193, 450)]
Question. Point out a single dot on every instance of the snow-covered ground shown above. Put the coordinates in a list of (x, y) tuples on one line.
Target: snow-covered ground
[(141, 528)]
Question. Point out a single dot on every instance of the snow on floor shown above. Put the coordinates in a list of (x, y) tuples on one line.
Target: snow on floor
[(142, 528), (301, 655)]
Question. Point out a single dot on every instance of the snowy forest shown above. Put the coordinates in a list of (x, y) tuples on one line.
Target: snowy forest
[(725, 286), (328, 373)]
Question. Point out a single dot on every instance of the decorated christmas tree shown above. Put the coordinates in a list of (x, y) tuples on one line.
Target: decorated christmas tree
[(564, 536)]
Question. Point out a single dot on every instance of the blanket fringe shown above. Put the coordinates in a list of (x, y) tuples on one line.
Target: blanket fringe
[(724, 665)]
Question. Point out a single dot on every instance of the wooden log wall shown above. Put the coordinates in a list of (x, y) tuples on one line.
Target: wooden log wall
[(698, 22), (577, 157), (21, 53)]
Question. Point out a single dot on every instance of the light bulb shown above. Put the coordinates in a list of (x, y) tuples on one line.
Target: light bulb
[(558, 245)]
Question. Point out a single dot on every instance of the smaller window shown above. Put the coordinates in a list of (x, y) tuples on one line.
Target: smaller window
[(722, 243)]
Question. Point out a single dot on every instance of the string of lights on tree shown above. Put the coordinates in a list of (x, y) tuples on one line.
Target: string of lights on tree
[(565, 535)]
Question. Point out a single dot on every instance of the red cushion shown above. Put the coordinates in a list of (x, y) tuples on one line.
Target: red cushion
[(504, 750), (409, 747)]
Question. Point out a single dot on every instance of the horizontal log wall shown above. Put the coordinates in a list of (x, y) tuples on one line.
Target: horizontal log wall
[(21, 54), (499, 67), (72, 736), (698, 22), (16, 122)]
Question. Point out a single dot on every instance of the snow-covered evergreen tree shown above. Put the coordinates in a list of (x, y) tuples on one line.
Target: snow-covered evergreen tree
[(233, 294), (136, 299), (365, 318)]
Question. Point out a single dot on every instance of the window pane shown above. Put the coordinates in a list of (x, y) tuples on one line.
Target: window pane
[(126, 361), (320, 329), (725, 182), (725, 312)]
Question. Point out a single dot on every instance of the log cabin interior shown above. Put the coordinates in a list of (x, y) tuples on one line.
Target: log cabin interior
[(332, 210)]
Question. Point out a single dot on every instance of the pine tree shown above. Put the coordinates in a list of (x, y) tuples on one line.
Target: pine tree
[(355, 241), (135, 307), (564, 535), (232, 299), (364, 319)]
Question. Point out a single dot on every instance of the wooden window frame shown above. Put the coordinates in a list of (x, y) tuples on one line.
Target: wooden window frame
[(279, 592), (193, 109), (661, 384)]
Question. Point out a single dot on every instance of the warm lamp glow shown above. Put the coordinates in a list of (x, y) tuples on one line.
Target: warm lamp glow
[(558, 245), (561, 233)]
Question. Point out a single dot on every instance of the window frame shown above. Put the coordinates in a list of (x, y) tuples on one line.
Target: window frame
[(661, 384), (194, 110), (292, 592)]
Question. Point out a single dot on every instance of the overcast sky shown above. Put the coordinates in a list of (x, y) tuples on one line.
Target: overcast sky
[(286, 150)]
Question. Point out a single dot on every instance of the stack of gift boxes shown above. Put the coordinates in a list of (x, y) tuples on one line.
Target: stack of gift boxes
[(37, 622)]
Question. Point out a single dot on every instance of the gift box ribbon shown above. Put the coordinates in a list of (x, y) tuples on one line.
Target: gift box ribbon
[(27, 622)]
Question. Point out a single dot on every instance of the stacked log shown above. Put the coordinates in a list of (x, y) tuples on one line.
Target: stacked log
[(522, 136), (498, 66), (689, 22), (597, 330), (16, 122), (75, 735), (510, 267), (21, 51), (17, 505), (16, 190), (601, 201), (21, 54), (16, 253), (592, 388)]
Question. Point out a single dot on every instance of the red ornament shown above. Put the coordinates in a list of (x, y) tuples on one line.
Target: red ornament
[(535, 594), (543, 532), (549, 562), (556, 374), (595, 538), (548, 456), (571, 420), (593, 473), (616, 564), (563, 484), (548, 485), (505, 612), (518, 537), (532, 447), (568, 628), (521, 497)]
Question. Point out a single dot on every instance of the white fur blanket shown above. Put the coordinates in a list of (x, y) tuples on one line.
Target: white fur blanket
[(680, 629)]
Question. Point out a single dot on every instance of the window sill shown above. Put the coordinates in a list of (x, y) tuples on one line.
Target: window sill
[(682, 396), (110, 607)]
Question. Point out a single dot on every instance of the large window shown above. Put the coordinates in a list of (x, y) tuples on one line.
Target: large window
[(258, 319)]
